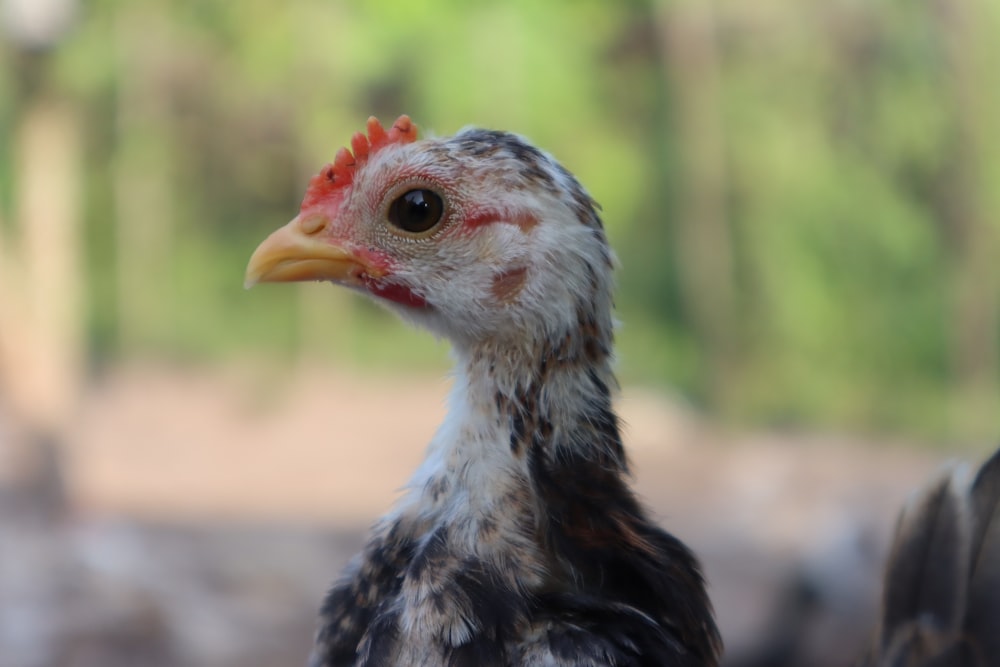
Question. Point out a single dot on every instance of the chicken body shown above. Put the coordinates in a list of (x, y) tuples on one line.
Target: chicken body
[(518, 541)]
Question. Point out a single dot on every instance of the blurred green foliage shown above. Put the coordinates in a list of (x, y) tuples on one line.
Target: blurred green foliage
[(801, 193)]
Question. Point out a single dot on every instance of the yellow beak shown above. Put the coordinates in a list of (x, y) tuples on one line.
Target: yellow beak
[(297, 252)]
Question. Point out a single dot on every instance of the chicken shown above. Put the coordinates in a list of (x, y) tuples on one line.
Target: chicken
[(941, 598), (518, 541)]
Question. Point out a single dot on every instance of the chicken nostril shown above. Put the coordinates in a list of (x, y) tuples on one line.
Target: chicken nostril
[(312, 224)]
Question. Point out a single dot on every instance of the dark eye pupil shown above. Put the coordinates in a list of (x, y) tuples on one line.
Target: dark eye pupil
[(416, 210)]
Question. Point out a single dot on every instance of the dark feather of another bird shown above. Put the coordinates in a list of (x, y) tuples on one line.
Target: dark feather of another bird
[(982, 622), (941, 602), (926, 575)]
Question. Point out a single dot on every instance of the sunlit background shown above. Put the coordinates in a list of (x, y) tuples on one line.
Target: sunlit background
[(802, 196)]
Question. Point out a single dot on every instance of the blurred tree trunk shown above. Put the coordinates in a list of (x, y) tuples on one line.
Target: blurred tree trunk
[(974, 324), (142, 171), (690, 55), (41, 287), (41, 327)]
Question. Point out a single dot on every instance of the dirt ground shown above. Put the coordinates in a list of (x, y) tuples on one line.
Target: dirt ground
[(208, 511)]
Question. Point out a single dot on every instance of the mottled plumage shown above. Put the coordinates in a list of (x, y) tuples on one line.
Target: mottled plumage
[(519, 541)]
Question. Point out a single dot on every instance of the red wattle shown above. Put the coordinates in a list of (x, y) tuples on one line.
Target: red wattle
[(396, 293)]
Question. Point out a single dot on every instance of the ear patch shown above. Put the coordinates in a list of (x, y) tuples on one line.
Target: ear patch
[(508, 284)]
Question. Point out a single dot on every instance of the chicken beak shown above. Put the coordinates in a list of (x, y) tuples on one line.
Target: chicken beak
[(298, 252)]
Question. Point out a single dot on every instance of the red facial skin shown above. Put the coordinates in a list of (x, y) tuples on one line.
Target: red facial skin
[(396, 293)]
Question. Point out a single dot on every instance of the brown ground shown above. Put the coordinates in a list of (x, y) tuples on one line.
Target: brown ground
[(210, 510)]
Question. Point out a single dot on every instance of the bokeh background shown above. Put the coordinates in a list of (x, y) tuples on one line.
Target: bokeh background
[(802, 196)]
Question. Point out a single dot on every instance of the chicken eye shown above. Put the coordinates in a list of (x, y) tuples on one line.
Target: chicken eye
[(416, 210)]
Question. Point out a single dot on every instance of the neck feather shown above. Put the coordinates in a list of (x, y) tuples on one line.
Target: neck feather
[(552, 396), (514, 411)]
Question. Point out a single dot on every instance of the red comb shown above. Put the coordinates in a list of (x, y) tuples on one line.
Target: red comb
[(340, 173)]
